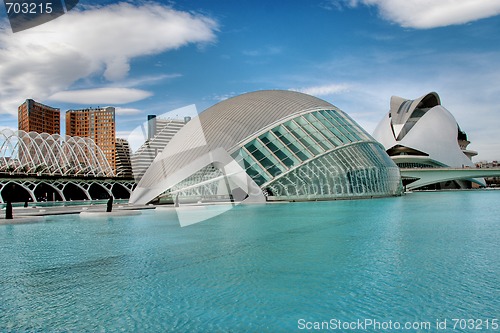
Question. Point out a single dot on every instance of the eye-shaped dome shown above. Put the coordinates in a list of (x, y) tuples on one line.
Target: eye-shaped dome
[(278, 138)]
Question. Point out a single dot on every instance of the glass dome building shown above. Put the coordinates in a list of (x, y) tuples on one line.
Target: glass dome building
[(284, 145)]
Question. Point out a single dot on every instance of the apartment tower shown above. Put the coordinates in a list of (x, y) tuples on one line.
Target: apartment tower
[(160, 132), (97, 124), (123, 164), (37, 117)]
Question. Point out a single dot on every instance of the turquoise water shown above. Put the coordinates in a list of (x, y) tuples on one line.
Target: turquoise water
[(422, 257)]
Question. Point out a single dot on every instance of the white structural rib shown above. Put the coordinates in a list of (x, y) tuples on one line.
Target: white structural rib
[(42, 154)]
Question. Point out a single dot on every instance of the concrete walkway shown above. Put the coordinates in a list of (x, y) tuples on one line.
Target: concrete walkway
[(35, 214)]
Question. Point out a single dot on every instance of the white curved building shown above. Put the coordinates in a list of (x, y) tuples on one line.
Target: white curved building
[(421, 133), (288, 145), (42, 154)]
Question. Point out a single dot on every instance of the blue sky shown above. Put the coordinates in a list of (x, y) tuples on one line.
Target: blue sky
[(156, 56)]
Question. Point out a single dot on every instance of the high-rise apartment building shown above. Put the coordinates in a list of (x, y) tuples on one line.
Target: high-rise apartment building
[(160, 132), (123, 164), (97, 124), (37, 117)]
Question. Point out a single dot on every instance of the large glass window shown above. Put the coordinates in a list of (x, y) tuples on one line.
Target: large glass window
[(325, 127), (251, 170), (265, 158), (359, 130), (343, 126), (291, 142), (314, 133), (279, 149), (251, 166), (353, 130), (303, 137), (334, 126)]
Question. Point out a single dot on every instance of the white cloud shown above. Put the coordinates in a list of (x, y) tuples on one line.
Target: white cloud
[(127, 111), (117, 69), (147, 80), (222, 97), (324, 90), (95, 42), (425, 14), (8, 128), (266, 51), (100, 96)]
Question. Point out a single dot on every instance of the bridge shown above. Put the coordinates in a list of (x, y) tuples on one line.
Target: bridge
[(35, 189), (427, 176)]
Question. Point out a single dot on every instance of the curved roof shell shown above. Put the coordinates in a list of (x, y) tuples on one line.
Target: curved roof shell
[(223, 129), (402, 109), (433, 131), (227, 124)]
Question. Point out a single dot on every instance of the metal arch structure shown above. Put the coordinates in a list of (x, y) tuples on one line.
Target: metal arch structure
[(30, 185), (63, 167), (41, 154)]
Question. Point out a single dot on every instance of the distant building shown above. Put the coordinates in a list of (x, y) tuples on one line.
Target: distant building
[(97, 124), (487, 165), (490, 181), (123, 164), (160, 132), (421, 133), (37, 117)]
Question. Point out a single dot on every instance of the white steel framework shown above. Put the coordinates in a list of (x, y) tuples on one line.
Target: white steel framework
[(36, 190), (42, 154)]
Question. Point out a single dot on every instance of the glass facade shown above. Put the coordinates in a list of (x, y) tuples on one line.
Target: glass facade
[(316, 155), (358, 170), (203, 184)]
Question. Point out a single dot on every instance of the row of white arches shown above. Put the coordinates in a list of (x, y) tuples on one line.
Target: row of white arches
[(43, 154), (36, 190)]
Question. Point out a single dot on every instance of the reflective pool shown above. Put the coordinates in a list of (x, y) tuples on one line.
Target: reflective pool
[(418, 258)]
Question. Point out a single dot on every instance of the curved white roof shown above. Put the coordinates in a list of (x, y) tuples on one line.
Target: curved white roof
[(229, 122), (402, 109), (223, 126), (434, 132)]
